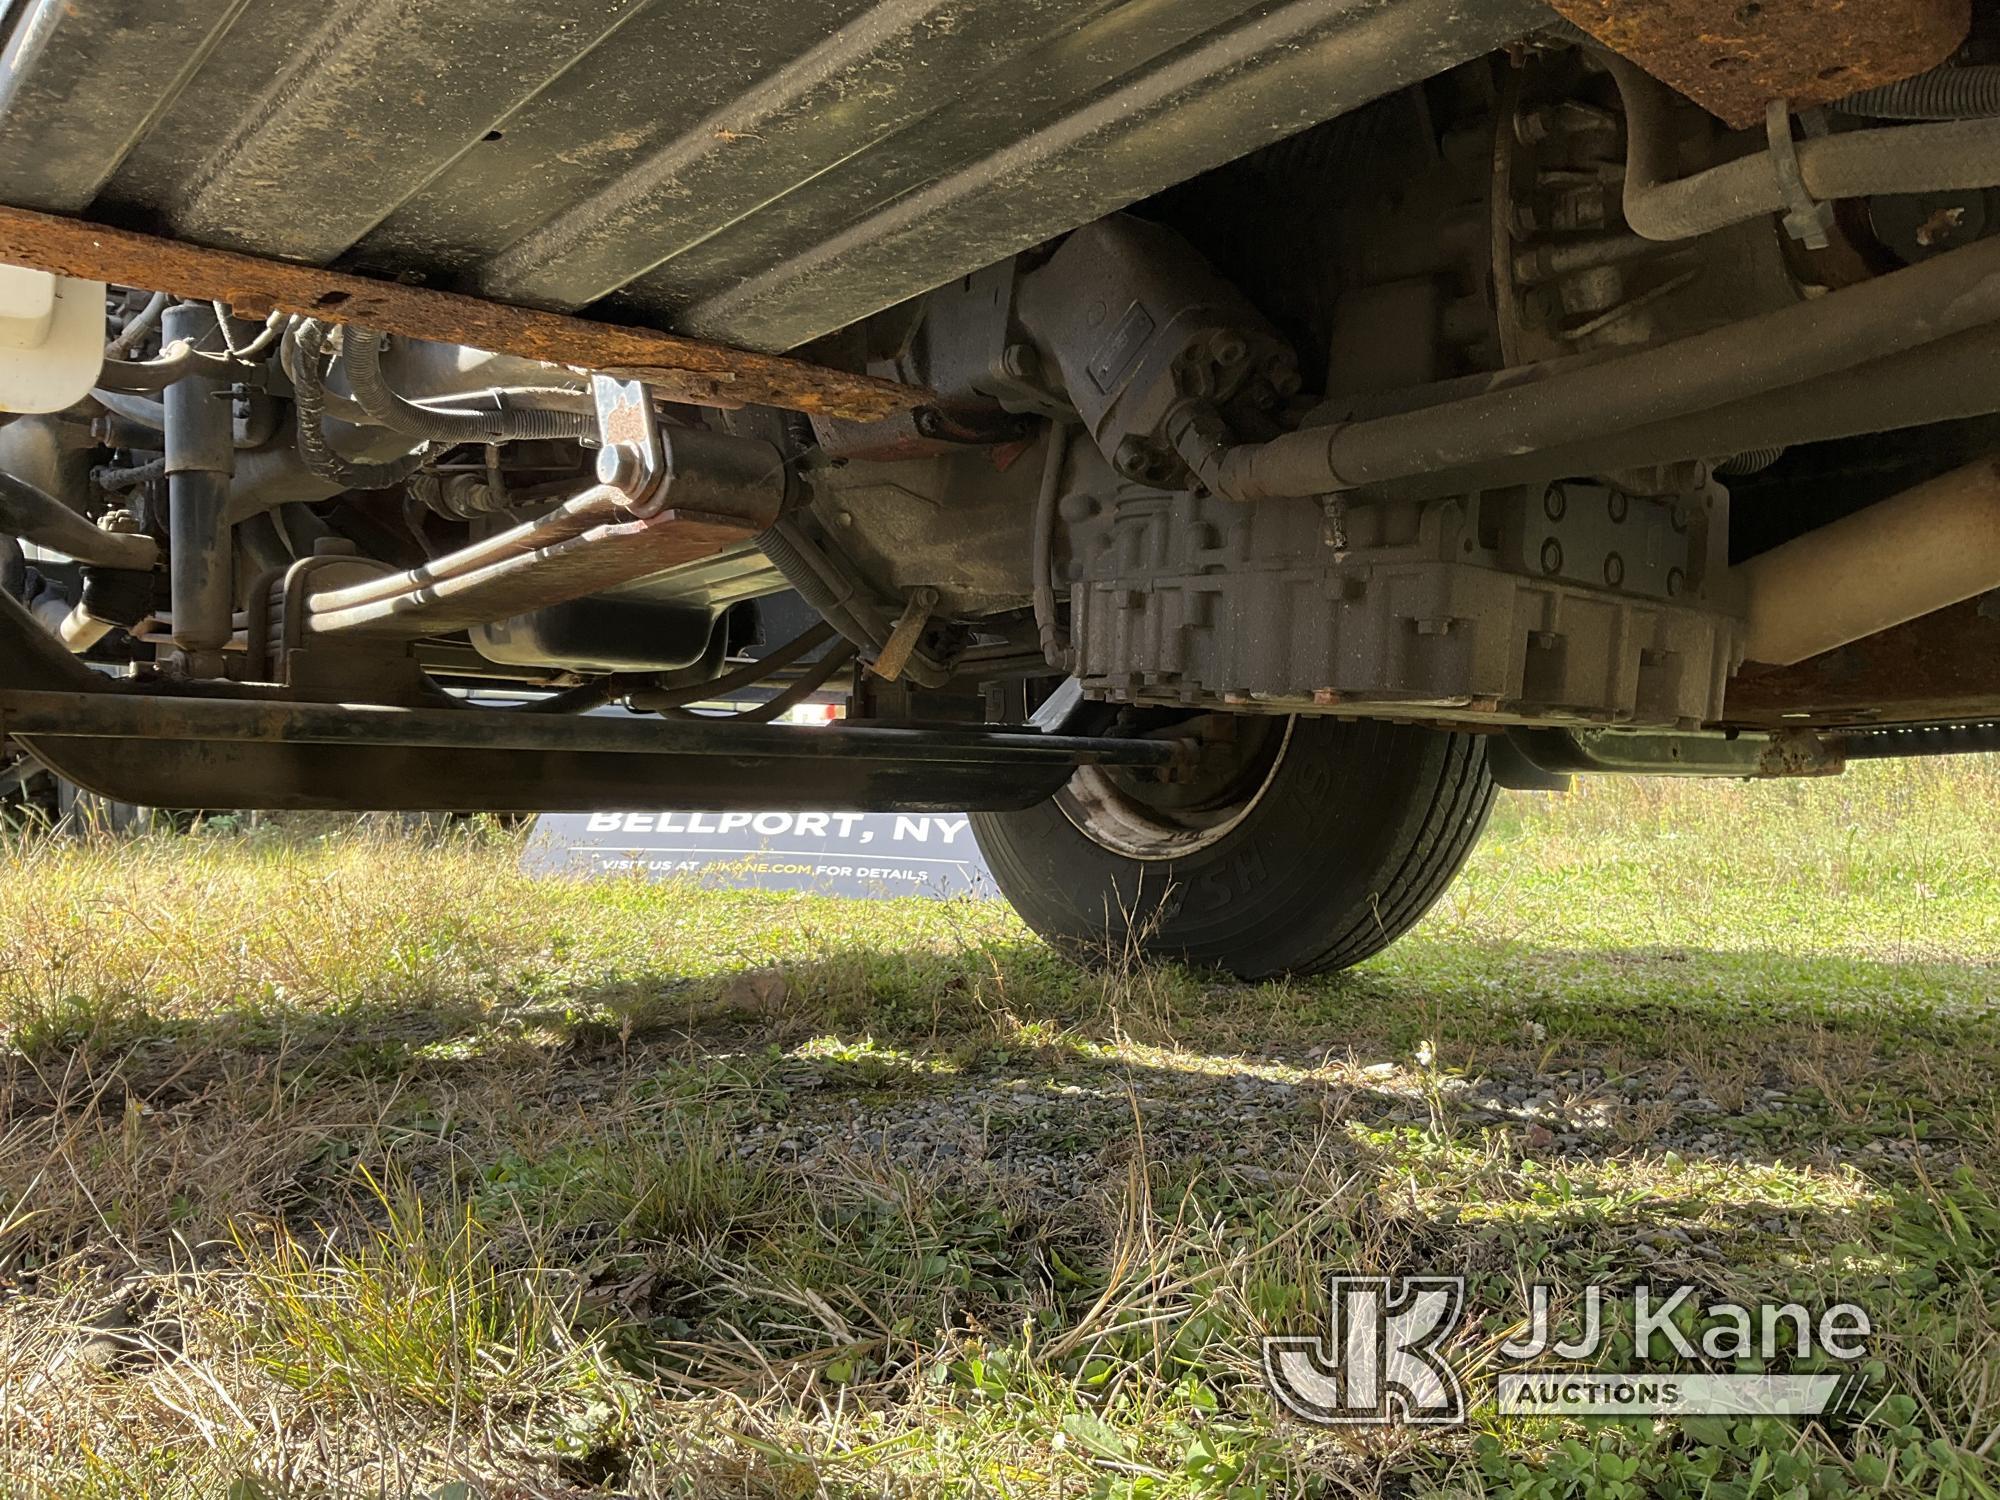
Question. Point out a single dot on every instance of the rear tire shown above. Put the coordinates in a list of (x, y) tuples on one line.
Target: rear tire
[(1334, 838)]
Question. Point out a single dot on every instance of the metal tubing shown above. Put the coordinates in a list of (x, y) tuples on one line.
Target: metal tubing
[(594, 507), (604, 557), (176, 362), (1943, 382), (201, 455), (586, 544), (1959, 154), (1908, 309), (1919, 551)]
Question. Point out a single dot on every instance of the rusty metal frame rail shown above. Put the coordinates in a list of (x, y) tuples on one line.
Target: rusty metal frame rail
[(678, 368), (1734, 58)]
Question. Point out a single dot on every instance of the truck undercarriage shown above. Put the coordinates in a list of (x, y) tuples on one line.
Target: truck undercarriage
[(1214, 444)]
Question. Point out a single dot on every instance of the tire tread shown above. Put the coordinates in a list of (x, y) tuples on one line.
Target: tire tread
[(1345, 877)]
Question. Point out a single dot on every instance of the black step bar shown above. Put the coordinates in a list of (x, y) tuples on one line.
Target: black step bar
[(144, 743)]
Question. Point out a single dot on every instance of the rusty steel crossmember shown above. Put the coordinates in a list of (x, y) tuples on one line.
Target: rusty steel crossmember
[(680, 369), (1733, 57)]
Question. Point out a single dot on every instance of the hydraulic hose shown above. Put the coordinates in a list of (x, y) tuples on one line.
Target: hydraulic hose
[(269, 334), (584, 697), (839, 600), (361, 348), (1967, 93), (840, 606), (814, 678), (747, 676), (124, 479), (309, 395), (136, 326), (1950, 156)]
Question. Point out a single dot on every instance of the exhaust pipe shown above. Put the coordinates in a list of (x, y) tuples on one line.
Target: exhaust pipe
[(1927, 548)]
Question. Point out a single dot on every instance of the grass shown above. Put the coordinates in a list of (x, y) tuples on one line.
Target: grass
[(360, 1164)]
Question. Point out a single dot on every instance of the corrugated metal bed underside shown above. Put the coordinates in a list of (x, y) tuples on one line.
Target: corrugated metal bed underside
[(759, 171)]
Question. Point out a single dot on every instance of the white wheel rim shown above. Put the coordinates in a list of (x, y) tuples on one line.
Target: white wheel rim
[(1113, 819)]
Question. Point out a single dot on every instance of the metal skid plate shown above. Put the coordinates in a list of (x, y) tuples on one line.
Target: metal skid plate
[(1574, 605), (161, 749)]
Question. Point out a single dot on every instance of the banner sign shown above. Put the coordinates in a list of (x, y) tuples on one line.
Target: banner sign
[(839, 854)]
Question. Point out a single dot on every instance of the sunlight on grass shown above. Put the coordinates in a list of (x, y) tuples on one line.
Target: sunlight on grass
[(419, 1311), (356, 1162)]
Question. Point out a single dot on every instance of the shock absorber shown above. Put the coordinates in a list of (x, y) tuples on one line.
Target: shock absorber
[(200, 457)]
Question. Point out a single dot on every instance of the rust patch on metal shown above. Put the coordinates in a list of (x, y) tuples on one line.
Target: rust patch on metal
[(1943, 666), (1800, 752), (1733, 57), (680, 369)]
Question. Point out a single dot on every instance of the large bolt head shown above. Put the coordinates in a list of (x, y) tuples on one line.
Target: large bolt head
[(1020, 362), (1133, 459)]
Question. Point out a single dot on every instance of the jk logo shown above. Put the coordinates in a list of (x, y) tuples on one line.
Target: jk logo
[(1379, 1361)]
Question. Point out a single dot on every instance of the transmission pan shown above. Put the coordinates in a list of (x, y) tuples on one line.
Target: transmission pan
[(1571, 604)]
